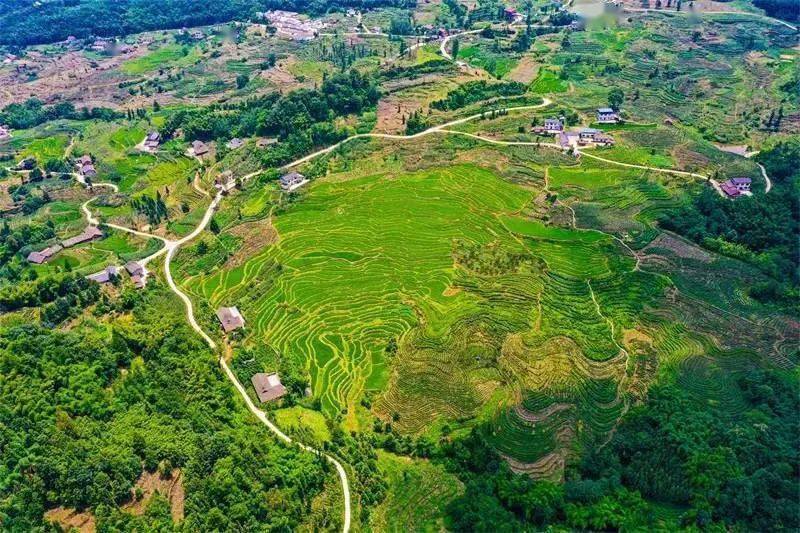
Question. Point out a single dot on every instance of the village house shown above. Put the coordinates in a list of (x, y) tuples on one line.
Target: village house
[(587, 135), (89, 234), (606, 115), (137, 273), (225, 181), (5, 132), (152, 140), (511, 14), (235, 143), (263, 142), (604, 139), (106, 275), (553, 125), (40, 257), (268, 386), (736, 186), (230, 318), (292, 181), (199, 148)]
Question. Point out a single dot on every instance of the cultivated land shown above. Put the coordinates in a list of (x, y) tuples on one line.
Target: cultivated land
[(450, 275)]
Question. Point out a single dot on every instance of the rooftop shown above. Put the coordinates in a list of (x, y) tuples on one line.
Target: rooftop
[(268, 386), (230, 318)]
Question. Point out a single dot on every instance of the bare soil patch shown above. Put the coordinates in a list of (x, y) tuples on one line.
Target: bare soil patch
[(680, 247), (70, 519), (255, 237)]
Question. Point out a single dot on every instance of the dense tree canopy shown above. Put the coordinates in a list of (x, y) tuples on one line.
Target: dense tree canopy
[(26, 22)]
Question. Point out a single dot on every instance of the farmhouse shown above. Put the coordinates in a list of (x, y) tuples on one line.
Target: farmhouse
[(199, 148), (263, 142), (138, 274), (292, 181), (588, 134), (604, 139), (88, 170), (152, 140), (511, 14), (235, 143), (553, 125), (42, 256), (268, 386), (89, 234), (104, 276), (230, 318), (5, 132), (606, 115), (736, 186)]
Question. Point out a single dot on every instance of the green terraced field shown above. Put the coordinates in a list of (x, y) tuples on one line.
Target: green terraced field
[(483, 302)]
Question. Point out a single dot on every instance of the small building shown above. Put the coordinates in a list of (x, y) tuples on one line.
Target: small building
[(292, 181), (268, 386), (736, 186), (5, 132), (588, 134), (152, 140), (106, 275), (235, 143), (40, 257), (89, 234), (137, 273), (741, 184), (553, 125), (263, 142), (85, 159), (511, 14), (88, 170), (606, 115), (199, 148), (604, 139), (230, 318)]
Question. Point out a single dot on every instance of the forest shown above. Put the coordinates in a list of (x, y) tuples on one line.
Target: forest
[(25, 22), (302, 118), (723, 471), (84, 412), (33, 112)]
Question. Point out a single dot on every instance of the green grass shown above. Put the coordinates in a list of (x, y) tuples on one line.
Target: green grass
[(46, 148), (168, 56), (498, 65), (548, 82), (417, 495)]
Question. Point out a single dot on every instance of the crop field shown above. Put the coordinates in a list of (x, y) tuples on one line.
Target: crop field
[(167, 56), (418, 492), (485, 305)]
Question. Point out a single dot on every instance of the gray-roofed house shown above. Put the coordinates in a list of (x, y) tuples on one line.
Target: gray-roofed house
[(43, 255), (263, 142), (104, 276), (230, 318), (235, 143), (138, 274), (199, 148), (741, 184), (291, 181), (89, 234), (588, 134), (606, 115), (268, 386), (553, 125), (152, 140)]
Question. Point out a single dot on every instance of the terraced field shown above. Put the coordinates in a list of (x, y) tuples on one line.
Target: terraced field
[(434, 293)]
